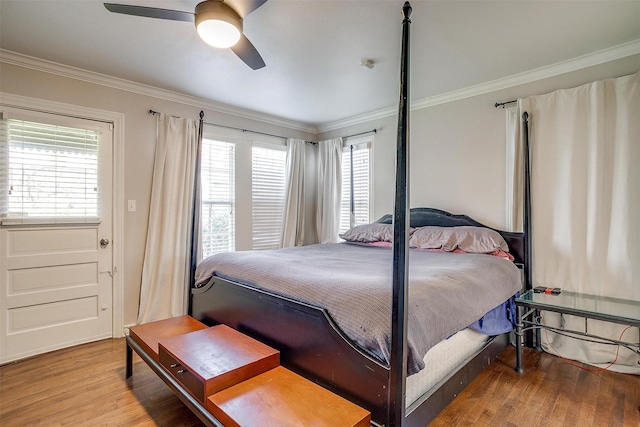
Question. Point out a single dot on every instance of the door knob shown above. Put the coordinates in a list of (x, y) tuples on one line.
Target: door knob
[(104, 242)]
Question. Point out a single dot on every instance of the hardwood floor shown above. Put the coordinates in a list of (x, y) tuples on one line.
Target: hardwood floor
[(85, 386), (550, 393)]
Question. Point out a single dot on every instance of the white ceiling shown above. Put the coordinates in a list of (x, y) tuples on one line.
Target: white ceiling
[(314, 49)]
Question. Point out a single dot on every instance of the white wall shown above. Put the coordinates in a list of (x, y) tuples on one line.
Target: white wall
[(139, 148), (458, 149)]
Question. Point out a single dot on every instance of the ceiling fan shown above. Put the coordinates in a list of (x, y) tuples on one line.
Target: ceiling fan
[(217, 23)]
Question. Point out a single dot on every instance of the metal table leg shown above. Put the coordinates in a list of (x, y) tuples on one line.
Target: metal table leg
[(538, 336), (519, 334), (129, 361)]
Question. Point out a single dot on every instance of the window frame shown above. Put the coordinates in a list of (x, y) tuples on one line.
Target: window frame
[(244, 142), (275, 243), (232, 192), (102, 128), (359, 141)]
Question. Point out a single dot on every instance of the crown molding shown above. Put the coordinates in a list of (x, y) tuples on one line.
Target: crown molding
[(599, 57), (30, 62)]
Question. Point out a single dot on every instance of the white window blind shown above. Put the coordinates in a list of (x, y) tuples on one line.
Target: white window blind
[(267, 184), (361, 186), (218, 197), (48, 173)]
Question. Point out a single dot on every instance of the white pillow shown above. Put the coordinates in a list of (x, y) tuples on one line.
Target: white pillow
[(369, 233), (470, 239)]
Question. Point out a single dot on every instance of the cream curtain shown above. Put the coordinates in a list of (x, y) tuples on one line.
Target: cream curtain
[(166, 267), (292, 233), (514, 168), (329, 190), (585, 145)]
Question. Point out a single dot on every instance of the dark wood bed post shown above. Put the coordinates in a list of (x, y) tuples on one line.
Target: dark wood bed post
[(526, 214), (528, 337), (195, 215), (398, 358)]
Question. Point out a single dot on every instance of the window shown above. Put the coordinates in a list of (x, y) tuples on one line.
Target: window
[(218, 197), (48, 173), (267, 185), (361, 185), (242, 191)]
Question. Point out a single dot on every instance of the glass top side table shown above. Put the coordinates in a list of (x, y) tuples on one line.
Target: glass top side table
[(615, 310)]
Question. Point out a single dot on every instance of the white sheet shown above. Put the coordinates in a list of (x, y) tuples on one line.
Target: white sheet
[(442, 361)]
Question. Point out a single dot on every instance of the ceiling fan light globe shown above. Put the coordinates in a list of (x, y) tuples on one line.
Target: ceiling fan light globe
[(217, 24), (218, 33)]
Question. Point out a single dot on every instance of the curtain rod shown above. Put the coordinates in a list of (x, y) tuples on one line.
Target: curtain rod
[(502, 104), (240, 129), (350, 136), (152, 112), (229, 127), (361, 133)]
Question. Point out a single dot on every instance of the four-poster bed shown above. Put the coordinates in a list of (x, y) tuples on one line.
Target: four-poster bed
[(291, 300), (312, 343), (313, 339)]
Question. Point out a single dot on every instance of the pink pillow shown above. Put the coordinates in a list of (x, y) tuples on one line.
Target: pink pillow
[(382, 244), (499, 253)]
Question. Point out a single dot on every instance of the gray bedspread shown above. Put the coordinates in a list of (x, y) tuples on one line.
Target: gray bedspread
[(447, 291)]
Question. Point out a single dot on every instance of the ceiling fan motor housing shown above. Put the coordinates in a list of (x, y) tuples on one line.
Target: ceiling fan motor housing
[(216, 10)]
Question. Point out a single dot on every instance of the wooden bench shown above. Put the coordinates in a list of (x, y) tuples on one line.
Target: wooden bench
[(229, 379)]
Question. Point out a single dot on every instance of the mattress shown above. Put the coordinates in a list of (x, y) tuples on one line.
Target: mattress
[(447, 292), (442, 361)]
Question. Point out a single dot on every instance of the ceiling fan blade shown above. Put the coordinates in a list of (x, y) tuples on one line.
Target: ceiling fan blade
[(150, 12), (248, 53), (244, 7)]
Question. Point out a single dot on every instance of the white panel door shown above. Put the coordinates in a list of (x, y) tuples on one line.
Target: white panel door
[(56, 276)]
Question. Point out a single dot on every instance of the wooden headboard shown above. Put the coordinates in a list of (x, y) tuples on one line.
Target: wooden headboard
[(421, 217)]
